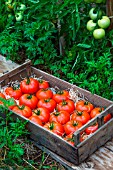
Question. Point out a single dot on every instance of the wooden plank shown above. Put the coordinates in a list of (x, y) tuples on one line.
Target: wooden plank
[(102, 159)]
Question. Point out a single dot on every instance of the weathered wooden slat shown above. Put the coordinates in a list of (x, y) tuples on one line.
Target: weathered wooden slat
[(102, 159)]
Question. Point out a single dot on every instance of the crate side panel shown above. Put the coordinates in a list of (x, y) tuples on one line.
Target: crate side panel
[(96, 140)]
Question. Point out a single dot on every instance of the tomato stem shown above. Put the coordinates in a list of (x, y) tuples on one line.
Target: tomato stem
[(28, 80), (56, 113), (51, 127), (79, 113), (75, 123), (21, 107), (37, 112), (29, 96), (60, 92)]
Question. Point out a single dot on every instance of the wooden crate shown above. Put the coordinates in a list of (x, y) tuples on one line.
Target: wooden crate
[(52, 142)]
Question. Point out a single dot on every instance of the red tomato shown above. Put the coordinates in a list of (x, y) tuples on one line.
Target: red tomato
[(2, 96), (29, 85), (83, 136), (50, 104), (35, 119), (82, 116), (61, 117), (42, 113), (69, 138), (84, 105), (72, 126), (61, 95), (43, 84), (91, 129), (16, 93), (28, 100), (23, 110), (55, 127), (44, 94), (96, 111), (107, 118), (67, 105)]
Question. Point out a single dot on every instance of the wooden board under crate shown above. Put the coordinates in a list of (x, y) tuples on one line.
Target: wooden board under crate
[(74, 154)]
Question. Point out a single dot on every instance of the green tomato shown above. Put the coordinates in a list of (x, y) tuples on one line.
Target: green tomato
[(93, 14), (99, 33), (91, 25), (19, 16), (104, 22), (21, 7)]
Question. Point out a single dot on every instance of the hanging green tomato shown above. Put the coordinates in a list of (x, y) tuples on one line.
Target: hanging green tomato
[(94, 14)]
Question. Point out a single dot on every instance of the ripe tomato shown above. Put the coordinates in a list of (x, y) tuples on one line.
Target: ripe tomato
[(35, 119), (61, 117), (44, 94), (83, 136), (61, 95), (23, 110), (50, 104), (29, 85), (91, 129), (96, 111), (42, 113), (43, 84), (72, 126), (16, 93), (66, 105), (69, 138), (2, 96), (28, 100), (107, 118), (55, 127), (84, 105), (82, 116)]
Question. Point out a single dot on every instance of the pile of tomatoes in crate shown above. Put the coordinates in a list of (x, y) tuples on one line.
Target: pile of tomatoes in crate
[(52, 109)]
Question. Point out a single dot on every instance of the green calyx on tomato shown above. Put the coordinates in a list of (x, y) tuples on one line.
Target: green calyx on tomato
[(37, 112), (91, 25), (29, 96), (21, 107), (99, 33), (19, 16), (104, 22), (94, 14), (51, 126)]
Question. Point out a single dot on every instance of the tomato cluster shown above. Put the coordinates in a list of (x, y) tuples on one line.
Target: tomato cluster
[(97, 23), (15, 9), (55, 111)]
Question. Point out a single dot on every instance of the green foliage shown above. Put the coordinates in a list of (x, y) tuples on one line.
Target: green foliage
[(53, 35)]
